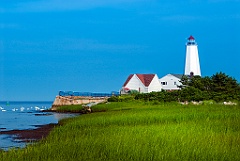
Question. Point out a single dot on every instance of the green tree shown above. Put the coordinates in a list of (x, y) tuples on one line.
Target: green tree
[(224, 87), (185, 81), (207, 83), (223, 83)]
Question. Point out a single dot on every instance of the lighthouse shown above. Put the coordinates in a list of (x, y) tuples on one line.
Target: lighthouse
[(192, 65)]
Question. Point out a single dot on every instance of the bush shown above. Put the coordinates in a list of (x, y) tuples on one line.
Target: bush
[(126, 98), (122, 98), (208, 102), (113, 99)]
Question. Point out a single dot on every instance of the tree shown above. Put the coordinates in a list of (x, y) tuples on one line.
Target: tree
[(185, 81), (224, 84)]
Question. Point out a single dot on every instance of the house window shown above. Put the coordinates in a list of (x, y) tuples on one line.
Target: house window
[(175, 83), (164, 83)]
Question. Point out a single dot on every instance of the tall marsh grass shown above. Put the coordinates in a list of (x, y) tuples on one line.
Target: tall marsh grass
[(142, 131)]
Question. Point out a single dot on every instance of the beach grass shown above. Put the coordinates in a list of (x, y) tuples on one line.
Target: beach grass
[(141, 131)]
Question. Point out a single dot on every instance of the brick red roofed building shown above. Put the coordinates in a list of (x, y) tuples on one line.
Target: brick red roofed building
[(143, 83)]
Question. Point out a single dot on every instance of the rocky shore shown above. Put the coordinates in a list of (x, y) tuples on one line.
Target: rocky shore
[(31, 135), (76, 100), (42, 131)]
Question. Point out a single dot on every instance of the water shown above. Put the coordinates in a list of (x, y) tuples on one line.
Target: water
[(24, 115)]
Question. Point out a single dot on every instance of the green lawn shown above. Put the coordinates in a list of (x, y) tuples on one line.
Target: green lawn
[(142, 131)]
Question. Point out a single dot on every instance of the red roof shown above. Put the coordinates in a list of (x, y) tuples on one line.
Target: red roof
[(191, 38), (146, 79), (128, 79)]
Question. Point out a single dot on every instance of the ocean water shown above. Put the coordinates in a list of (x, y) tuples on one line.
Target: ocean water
[(24, 115)]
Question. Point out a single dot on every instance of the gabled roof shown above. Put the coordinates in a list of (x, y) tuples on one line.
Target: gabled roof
[(128, 79), (178, 75), (146, 79)]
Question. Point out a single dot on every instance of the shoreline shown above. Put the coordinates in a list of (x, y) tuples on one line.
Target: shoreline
[(40, 132), (31, 135)]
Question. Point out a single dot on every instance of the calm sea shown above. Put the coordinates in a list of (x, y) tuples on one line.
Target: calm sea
[(24, 115)]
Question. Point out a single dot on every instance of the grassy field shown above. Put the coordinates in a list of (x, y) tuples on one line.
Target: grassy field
[(142, 131)]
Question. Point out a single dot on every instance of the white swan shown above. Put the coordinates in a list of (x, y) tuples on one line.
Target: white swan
[(37, 108), (14, 109), (22, 109)]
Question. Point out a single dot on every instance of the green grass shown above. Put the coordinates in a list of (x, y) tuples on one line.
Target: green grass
[(142, 131)]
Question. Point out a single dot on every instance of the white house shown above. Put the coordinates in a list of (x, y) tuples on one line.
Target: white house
[(143, 83), (171, 81)]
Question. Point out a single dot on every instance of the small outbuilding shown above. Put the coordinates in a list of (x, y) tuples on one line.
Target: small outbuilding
[(143, 83)]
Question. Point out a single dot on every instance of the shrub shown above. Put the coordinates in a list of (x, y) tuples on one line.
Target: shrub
[(113, 99)]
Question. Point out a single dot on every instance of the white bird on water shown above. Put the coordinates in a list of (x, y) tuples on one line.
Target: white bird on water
[(22, 109), (1, 108), (14, 109), (37, 108)]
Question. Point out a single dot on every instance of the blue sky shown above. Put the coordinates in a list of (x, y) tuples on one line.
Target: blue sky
[(92, 46)]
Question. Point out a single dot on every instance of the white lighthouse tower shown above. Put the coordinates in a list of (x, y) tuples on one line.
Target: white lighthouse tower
[(192, 65)]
